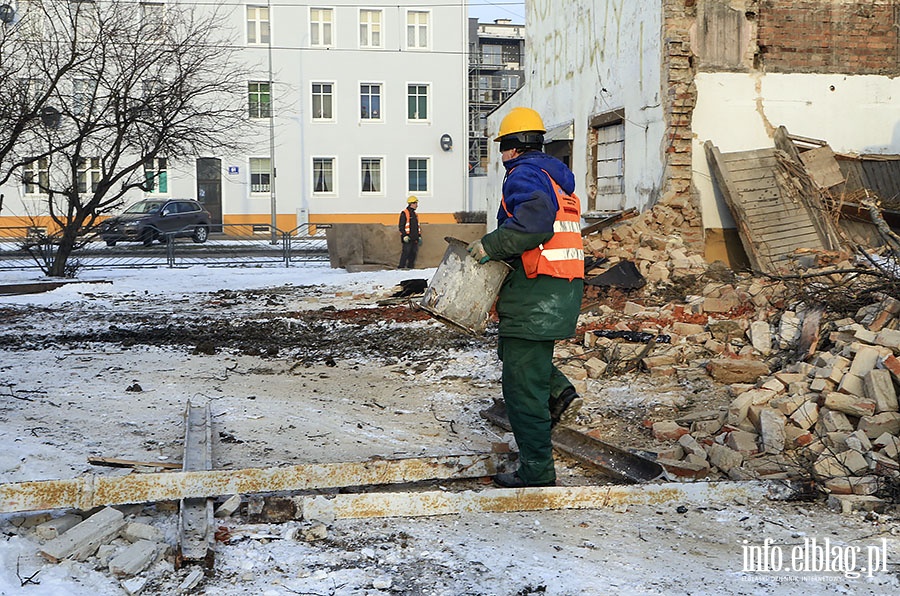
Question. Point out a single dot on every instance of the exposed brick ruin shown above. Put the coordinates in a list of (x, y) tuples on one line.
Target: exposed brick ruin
[(813, 36)]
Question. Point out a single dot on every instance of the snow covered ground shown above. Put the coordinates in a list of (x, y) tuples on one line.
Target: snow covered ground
[(60, 403)]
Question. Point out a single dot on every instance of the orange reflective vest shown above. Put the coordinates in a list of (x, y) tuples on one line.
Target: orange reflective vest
[(563, 255), (408, 229)]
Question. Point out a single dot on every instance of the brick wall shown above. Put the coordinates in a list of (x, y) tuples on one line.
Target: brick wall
[(680, 98), (827, 36)]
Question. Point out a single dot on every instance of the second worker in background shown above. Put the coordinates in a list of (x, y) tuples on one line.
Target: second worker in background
[(410, 234)]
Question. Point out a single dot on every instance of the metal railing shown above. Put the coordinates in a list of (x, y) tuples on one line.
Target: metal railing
[(226, 245)]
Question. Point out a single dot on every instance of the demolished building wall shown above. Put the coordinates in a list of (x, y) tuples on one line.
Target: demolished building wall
[(679, 74)]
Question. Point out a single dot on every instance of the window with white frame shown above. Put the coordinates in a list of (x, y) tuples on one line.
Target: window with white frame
[(260, 174), (31, 23), (36, 176), (257, 24), (323, 174), (323, 101), (82, 96), (156, 176), (153, 19), (608, 139), (417, 29), (86, 18), (88, 174), (417, 102), (370, 28), (418, 174), (370, 101), (370, 174), (259, 99), (320, 25)]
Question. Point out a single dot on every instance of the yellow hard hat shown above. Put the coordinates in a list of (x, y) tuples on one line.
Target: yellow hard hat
[(520, 120), (412, 199)]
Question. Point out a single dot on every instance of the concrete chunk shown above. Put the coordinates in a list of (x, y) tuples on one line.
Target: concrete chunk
[(852, 385), (82, 540), (57, 526), (134, 559), (849, 404), (880, 388), (724, 458), (834, 421), (771, 430), (864, 361), (875, 426), (742, 441), (806, 415), (231, 504), (134, 531), (847, 504), (761, 337)]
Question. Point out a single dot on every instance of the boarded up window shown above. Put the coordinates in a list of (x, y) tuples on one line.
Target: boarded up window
[(609, 166), (721, 39)]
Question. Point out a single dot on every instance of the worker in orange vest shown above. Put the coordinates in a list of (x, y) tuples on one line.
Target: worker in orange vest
[(410, 234), (539, 234)]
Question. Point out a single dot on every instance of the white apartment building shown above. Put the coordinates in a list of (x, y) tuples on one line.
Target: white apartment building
[(358, 106)]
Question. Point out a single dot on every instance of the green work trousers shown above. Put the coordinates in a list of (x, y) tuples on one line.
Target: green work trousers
[(529, 379)]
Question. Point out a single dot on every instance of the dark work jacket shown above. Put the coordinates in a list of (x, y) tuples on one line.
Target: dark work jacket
[(414, 231), (543, 308)]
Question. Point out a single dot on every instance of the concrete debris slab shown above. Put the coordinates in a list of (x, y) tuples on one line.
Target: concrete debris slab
[(56, 526), (82, 540), (134, 559)]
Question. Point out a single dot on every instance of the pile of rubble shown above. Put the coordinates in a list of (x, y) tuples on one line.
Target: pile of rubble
[(830, 415)]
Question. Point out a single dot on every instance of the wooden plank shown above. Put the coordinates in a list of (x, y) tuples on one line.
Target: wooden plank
[(753, 154), (822, 166), (765, 221), (196, 532), (758, 185), (767, 196), (500, 500), (87, 492), (788, 245), (719, 169), (115, 462), (751, 168)]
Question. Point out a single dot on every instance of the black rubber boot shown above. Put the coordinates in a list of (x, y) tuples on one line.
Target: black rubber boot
[(564, 408), (512, 480)]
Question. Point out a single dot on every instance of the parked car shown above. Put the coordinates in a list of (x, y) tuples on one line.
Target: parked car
[(154, 219)]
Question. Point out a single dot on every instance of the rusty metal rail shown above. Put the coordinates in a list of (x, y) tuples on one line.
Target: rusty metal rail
[(87, 492)]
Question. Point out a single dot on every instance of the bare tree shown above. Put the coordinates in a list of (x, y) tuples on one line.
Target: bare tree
[(119, 87)]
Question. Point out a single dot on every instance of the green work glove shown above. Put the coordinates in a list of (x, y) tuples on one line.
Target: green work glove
[(406, 240), (477, 252), (420, 241)]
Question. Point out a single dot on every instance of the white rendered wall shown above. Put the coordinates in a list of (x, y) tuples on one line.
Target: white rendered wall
[(739, 112), (586, 58)]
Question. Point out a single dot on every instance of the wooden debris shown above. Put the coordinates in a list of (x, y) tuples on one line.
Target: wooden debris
[(114, 462)]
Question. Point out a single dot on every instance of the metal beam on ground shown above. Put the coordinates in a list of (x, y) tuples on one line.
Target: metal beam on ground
[(412, 504), (196, 533), (87, 492)]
